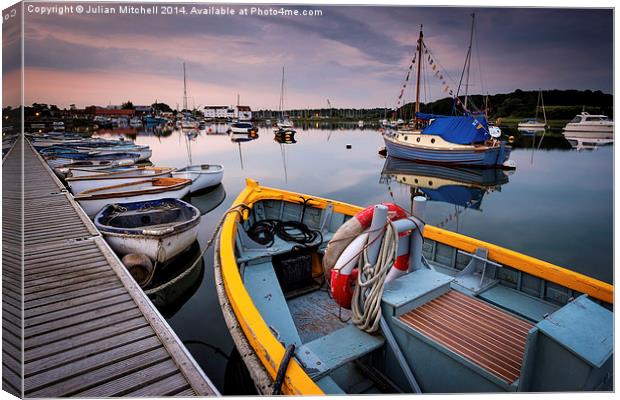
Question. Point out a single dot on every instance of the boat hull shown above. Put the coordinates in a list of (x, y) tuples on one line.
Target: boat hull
[(590, 128), (589, 133), (161, 229), (171, 245), (93, 201), (81, 185), (254, 326), (201, 178), (469, 155), (531, 127)]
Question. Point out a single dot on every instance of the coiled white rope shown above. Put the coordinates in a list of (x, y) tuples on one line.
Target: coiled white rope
[(366, 302)]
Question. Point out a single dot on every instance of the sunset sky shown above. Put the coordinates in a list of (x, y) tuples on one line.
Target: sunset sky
[(354, 56)]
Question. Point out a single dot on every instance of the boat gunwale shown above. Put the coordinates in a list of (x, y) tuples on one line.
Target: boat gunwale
[(92, 194), (270, 351), (218, 168), (183, 226), (119, 174)]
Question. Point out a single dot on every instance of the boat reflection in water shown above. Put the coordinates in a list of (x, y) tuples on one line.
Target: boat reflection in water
[(241, 138), (173, 285), (209, 200), (464, 187), (588, 140), (284, 137)]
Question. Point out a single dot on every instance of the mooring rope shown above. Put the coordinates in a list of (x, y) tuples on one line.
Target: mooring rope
[(238, 209), (366, 302)]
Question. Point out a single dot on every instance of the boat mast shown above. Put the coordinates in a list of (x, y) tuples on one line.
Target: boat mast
[(184, 89), (417, 90), (468, 59), (537, 105), (282, 96), (542, 103)]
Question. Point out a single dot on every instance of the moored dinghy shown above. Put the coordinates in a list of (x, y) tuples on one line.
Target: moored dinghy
[(452, 306), (92, 201), (96, 179), (202, 176), (160, 229), (68, 159)]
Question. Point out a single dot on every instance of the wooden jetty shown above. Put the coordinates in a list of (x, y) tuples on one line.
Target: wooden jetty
[(88, 329)]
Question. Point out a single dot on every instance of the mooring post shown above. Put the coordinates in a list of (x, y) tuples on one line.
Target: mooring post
[(375, 235)]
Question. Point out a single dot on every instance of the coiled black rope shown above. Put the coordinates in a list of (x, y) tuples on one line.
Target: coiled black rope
[(265, 231)]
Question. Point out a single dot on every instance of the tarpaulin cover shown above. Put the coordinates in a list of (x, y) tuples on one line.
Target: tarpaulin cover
[(466, 129)]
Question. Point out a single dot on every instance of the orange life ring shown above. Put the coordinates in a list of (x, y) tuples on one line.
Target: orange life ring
[(345, 247)]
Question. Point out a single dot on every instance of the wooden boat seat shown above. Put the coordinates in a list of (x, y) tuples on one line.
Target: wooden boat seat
[(262, 284), (329, 352), (482, 334)]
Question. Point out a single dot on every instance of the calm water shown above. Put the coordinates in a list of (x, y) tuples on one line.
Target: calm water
[(556, 206)]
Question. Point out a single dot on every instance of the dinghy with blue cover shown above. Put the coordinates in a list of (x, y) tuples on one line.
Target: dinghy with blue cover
[(324, 297), (161, 229)]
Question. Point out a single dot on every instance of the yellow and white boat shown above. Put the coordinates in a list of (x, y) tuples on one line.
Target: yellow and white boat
[(468, 316)]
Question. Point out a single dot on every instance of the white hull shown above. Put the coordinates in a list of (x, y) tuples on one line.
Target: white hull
[(84, 171), (79, 186), (587, 128), (92, 206), (538, 126), (59, 162), (171, 245), (144, 153), (201, 178), (239, 130), (595, 135)]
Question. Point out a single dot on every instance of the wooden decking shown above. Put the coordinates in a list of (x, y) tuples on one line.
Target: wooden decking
[(89, 330), (486, 336), (12, 283)]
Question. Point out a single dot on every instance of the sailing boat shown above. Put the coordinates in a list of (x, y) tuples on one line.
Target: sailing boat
[(454, 140), (283, 124), (535, 124)]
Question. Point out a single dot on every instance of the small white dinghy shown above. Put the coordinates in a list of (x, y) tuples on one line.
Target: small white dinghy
[(97, 179), (202, 176), (94, 200), (160, 229)]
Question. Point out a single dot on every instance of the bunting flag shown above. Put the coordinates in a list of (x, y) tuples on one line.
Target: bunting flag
[(404, 86)]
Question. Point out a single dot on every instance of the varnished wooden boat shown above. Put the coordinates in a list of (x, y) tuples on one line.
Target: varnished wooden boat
[(472, 317)]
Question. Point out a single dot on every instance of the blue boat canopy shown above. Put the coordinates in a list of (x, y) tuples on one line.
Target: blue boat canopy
[(466, 129), (463, 196)]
